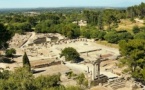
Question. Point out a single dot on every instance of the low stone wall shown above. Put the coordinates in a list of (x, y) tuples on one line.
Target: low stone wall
[(47, 64)]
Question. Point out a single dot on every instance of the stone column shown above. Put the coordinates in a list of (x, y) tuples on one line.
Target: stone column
[(87, 53), (62, 59), (98, 70), (88, 69), (93, 72), (89, 80)]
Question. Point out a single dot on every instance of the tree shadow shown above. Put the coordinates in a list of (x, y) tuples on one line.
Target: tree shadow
[(80, 59), (16, 56), (37, 71), (6, 60)]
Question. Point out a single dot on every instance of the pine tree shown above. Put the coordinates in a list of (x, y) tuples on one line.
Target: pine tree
[(26, 62)]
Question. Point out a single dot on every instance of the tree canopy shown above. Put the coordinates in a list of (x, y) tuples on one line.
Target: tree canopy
[(5, 35), (134, 55), (22, 79), (70, 54), (10, 52)]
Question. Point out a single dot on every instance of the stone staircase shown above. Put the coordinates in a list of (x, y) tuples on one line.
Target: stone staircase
[(117, 84)]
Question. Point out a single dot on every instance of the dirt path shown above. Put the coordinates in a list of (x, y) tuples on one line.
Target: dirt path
[(29, 40)]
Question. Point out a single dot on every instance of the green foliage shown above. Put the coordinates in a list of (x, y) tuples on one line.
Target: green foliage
[(94, 33), (134, 54), (91, 16), (124, 35), (73, 88), (71, 31), (19, 27), (81, 80), (47, 81), (26, 62), (4, 74), (111, 37), (97, 34), (143, 73), (10, 52), (136, 11), (70, 74), (123, 48), (140, 35), (68, 30), (100, 22), (136, 29), (22, 79), (70, 54), (101, 35), (115, 37), (111, 18), (85, 32), (5, 35)]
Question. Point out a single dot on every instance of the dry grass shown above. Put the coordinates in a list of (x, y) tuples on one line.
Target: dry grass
[(108, 44), (98, 88), (126, 24)]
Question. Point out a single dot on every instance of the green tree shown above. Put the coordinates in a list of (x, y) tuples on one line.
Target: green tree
[(87, 33), (124, 35), (26, 62), (101, 35), (140, 35), (93, 32), (110, 18), (100, 22), (4, 74), (70, 54), (5, 35), (111, 37), (81, 80), (10, 52), (136, 29), (22, 79), (91, 16), (71, 31), (134, 53)]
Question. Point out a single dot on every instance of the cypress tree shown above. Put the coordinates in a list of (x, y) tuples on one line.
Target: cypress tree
[(26, 62)]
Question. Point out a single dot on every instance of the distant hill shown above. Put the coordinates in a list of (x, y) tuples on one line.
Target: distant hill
[(60, 9)]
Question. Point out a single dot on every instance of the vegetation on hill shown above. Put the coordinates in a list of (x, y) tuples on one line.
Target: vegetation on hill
[(101, 25), (5, 35), (136, 11), (134, 57), (22, 79)]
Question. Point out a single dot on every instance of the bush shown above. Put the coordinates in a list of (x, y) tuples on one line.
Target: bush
[(111, 37), (73, 88), (81, 80), (70, 54), (140, 35), (136, 29), (10, 52)]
